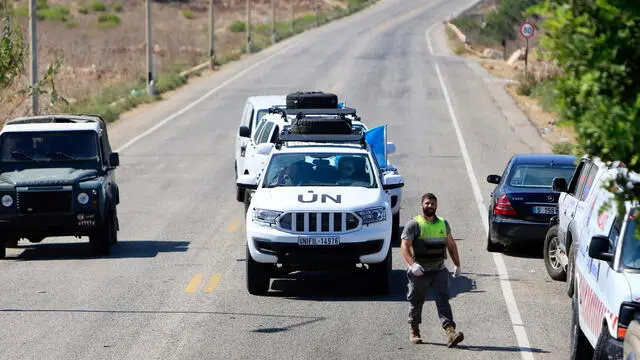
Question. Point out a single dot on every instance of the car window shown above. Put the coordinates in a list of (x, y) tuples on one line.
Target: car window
[(251, 119), (631, 245), (50, 146), (264, 134), (582, 179), (320, 169), (573, 183), (258, 130), (615, 233), (589, 181), (536, 175), (260, 114)]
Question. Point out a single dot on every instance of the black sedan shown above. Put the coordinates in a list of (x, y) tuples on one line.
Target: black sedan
[(523, 202)]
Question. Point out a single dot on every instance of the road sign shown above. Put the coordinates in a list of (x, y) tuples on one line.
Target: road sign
[(527, 30)]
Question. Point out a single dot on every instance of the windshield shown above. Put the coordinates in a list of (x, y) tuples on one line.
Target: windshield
[(48, 146), (631, 244), (320, 169), (538, 176)]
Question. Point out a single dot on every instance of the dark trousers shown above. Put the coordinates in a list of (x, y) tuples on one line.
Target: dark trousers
[(418, 287)]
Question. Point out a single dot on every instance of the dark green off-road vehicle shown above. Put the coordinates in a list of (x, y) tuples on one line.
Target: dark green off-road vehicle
[(57, 178)]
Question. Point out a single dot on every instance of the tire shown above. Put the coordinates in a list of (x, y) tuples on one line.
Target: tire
[(11, 242), (395, 230), (600, 351), (551, 248), (492, 246), (570, 271), (116, 227), (580, 347), (102, 239), (380, 275), (321, 126), (258, 276), (239, 194), (3, 251)]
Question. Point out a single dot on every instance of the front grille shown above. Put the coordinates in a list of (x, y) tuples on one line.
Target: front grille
[(43, 202), (320, 222)]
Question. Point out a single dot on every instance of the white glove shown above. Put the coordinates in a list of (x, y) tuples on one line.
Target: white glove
[(416, 269), (456, 272)]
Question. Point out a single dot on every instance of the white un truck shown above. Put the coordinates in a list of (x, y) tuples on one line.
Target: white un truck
[(321, 203)]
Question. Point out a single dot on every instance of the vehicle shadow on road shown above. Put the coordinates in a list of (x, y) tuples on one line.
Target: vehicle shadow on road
[(82, 250), (521, 251), (354, 286), (492, 348)]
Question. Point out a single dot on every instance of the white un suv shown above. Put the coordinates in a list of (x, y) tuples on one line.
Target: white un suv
[(321, 203)]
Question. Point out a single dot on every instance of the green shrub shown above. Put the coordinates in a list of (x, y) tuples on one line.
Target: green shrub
[(238, 26), (117, 7), (98, 6), (108, 21), (187, 14), (55, 13), (83, 10), (563, 147)]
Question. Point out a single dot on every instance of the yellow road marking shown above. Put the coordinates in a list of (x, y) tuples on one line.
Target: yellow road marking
[(194, 283), (215, 279), (234, 226)]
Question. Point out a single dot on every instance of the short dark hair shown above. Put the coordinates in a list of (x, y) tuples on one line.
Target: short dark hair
[(429, 196)]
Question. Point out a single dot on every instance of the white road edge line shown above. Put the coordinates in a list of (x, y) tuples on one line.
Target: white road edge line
[(512, 306), (202, 98)]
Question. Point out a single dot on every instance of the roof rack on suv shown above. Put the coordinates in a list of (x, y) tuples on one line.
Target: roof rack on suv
[(286, 135)]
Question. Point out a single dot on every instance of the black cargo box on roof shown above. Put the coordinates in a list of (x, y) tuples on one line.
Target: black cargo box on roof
[(312, 100)]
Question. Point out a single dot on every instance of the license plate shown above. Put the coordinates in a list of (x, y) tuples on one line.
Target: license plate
[(545, 210), (319, 240)]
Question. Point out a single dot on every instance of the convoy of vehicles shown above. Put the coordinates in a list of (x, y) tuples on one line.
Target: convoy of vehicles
[(320, 194)]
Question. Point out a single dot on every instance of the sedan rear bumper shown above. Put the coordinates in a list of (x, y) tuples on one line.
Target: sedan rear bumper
[(509, 231)]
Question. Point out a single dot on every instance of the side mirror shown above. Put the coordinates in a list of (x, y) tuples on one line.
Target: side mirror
[(247, 181), (114, 159), (559, 184), (244, 131), (265, 148), (392, 181), (494, 179), (599, 248), (391, 148)]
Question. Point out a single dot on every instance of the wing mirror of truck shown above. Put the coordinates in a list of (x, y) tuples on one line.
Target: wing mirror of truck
[(493, 179), (559, 184), (392, 181), (599, 248), (244, 131), (247, 181), (391, 148), (114, 159), (265, 148)]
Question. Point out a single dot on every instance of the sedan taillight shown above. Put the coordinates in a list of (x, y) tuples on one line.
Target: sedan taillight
[(503, 207)]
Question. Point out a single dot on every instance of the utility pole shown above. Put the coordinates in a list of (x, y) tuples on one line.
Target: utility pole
[(212, 34), (150, 81), (33, 73), (317, 13), (248, 26), (273, 22), (293, 18)]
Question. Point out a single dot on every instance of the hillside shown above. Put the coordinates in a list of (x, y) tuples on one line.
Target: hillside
[(101, 43)]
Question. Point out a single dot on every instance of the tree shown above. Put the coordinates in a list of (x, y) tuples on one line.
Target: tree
[(12, 53), (596, 43)]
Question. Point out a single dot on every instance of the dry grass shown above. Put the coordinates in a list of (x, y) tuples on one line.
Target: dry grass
[(96, 55)]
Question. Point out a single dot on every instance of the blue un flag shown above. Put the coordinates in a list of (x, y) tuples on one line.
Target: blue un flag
[(377, 138)]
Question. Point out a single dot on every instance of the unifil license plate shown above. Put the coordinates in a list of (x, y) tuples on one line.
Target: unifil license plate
[(319, 240)]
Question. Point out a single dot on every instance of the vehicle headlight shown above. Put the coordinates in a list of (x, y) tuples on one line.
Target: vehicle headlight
[(265, 217), (83, 198), (7, 200), (373, 215)]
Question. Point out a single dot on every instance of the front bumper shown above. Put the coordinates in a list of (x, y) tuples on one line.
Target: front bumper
[(44, 225), (369, 245), (509, 231)]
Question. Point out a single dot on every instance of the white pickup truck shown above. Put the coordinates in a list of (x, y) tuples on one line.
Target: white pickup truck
[(321, 203)]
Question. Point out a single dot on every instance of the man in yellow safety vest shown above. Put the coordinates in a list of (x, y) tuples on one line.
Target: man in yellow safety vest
[(425, 241)]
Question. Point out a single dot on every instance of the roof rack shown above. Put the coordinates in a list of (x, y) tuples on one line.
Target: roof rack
[(357, 137), (56, 118)]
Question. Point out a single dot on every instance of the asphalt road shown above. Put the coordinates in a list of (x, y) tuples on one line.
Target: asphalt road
[(174, 287)]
